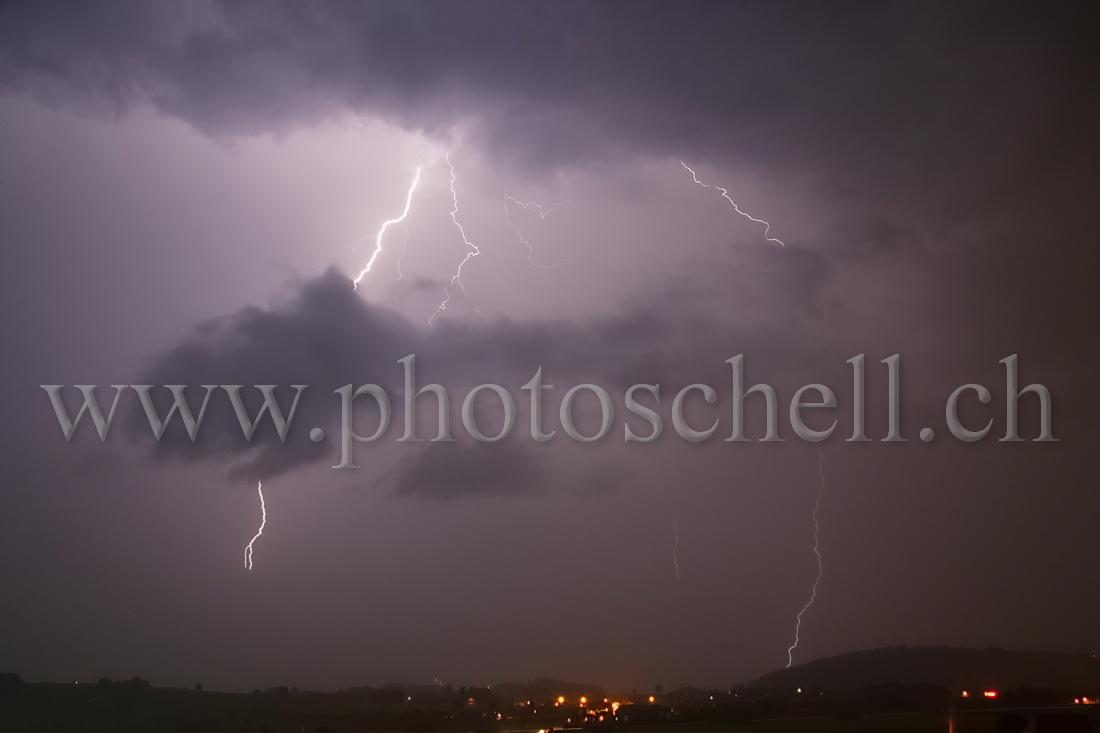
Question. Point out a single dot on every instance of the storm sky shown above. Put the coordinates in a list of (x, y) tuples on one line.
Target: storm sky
[(187, 191)]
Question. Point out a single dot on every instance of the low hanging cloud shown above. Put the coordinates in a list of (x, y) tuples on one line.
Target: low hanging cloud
[(326, 336)]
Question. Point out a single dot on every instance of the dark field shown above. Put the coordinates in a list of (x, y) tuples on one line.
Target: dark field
[(92, 709)]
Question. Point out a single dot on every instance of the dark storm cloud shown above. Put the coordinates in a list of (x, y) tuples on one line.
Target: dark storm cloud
[(928, 112), (325, 336), (835, 90)]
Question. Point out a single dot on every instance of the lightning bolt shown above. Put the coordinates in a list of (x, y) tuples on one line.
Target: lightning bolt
[(474, 251), (543, 213), (386, 225), (725, 195), (817, 551), (400, 259), (260, 531), (676, 544), (820, 457), (532, 206)]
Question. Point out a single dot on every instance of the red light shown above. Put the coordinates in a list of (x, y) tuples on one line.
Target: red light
[(990, 693)]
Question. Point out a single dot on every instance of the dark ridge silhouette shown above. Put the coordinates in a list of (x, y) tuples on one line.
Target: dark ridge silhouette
[(957, 668)]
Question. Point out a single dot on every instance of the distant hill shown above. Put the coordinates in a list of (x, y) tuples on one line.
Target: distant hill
[(957, 668)]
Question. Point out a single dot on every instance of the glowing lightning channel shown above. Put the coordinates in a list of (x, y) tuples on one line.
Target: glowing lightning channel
[(263, 521), (543, 213), (676, 544), (817, 551), (386, 225), (400, 259), (456, 279), (532, 206), (725, 195)]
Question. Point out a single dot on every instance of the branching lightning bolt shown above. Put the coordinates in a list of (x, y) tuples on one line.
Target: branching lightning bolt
[(817, 551), (543, 213), (386, 225), (474, 251), (676, 544), (725, 195), (533, 206), (260, 531)]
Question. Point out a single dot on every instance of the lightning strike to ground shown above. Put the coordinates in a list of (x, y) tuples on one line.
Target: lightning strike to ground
[(817, 551), (725, 195), (676, 544), (543, 213), (386, 225), (263, 521), (474, 251)]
